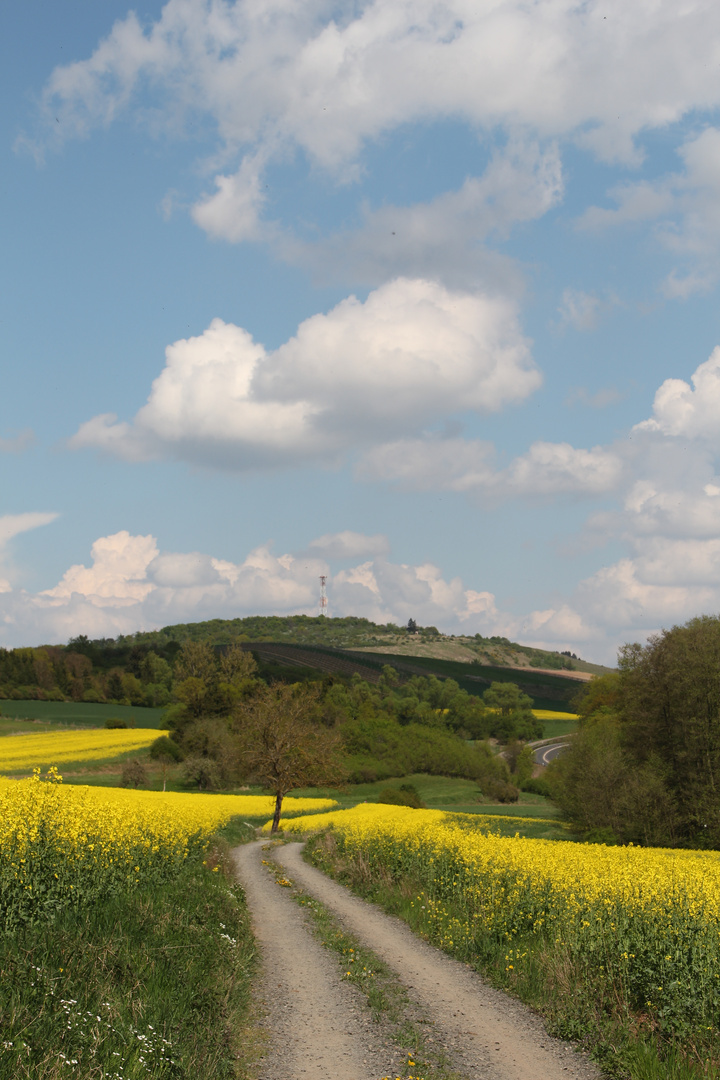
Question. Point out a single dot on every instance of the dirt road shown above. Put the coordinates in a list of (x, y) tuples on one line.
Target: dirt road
[(320, 1028)]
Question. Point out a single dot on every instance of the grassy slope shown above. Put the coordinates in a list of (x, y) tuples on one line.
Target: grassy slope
[(353, 633), (467, 651), (556, 727), (458, 796)]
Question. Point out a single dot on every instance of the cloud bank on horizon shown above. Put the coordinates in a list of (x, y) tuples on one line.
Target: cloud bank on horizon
[(462, 204), (131, 585)]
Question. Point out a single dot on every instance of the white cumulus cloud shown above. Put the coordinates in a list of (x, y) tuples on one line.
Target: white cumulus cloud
[(413, 352), (468, 465), (117, 575), (689, 411), (130, 585)]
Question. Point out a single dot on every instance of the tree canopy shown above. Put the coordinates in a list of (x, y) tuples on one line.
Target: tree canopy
[(283, 747), (645, 766)]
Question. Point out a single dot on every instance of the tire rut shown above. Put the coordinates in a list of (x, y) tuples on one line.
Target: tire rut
[(487, 1034), (319, 1026)]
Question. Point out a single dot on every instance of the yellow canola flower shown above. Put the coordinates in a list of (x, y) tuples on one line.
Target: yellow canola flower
[(378, 811), (552, 714), (644, 920), (24, 752), (84, 842)]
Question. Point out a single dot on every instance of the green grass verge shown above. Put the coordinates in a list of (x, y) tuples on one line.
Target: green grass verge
[(79, 713), (461, 797), (150, 983), (554, 729), (542, 974)]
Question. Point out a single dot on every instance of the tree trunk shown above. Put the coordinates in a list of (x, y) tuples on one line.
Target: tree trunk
[(278, 808)]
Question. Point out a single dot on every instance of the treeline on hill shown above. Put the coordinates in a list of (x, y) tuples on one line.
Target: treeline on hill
[(388, 729), (138, 669), (344, 633), (92, 671), (645, 764)]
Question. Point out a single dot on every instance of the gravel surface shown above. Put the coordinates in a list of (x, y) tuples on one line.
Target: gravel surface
[(320, 1026)]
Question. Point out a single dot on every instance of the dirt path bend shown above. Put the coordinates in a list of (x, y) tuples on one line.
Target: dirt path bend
[(319, 1026), (487, 1034)]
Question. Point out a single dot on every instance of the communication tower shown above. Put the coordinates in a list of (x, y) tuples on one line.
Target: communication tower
[(322, 602)]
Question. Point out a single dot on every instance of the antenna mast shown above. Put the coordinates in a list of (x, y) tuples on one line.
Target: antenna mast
[(322, 603)]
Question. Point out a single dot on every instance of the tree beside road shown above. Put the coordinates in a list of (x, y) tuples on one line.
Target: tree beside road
[(645, 764)]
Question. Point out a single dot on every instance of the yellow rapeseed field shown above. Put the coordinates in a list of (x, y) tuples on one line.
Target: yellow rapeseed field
[(23, 752), (59, 844), (552, 714), (646, 920), (371, 812)]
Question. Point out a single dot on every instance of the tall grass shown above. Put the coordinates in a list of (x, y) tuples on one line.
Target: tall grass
[(126, 949)]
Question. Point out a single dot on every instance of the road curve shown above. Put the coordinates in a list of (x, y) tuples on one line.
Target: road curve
[(487, 1034), (545, 754)]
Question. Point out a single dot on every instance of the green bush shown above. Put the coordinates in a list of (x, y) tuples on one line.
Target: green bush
[(404, 795), (501, 791), (92, 696), (165, 748), (380, 746), (203, 772), (537, 785), (133, 775), (113, 723)]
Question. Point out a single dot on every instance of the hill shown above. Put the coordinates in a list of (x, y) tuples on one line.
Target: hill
[(138, 670), (355, 645), (359, 634), (547, 689)]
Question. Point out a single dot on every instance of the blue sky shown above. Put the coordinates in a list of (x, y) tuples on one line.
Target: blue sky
[(420, 296)]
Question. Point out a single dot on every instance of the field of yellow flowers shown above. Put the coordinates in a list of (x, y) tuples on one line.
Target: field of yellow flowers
[(642, 923), (61, 845), (20, 753)]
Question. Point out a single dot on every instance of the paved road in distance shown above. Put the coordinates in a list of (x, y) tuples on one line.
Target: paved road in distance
[(545, 754)]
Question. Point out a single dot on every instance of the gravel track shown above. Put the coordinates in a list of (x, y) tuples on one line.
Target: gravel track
[(320, 1025)]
